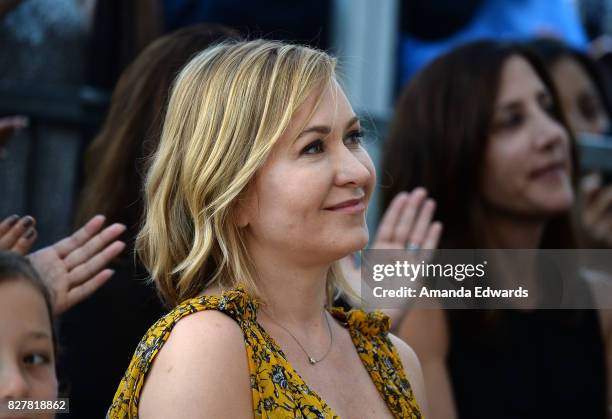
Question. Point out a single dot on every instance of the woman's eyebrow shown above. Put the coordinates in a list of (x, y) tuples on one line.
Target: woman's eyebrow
[(325, 129), (321, 129), (352, 121), (38, 335), (511, 105)]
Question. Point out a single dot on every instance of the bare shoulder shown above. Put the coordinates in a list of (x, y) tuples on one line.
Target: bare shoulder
[(414, 373), (203, 357)]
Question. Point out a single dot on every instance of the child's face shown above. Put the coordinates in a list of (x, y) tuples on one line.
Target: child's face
[(27, 359)]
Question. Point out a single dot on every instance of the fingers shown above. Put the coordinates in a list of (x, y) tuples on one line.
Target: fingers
[(602, 231), (95, 264), (81, 292), (423, 222), (7, 223), (80, 237), (411, 210), (409, 220), (390, 217), (13, 228), (25, 242), (93, 246), (598, 207), (432, 238), (590, 185)]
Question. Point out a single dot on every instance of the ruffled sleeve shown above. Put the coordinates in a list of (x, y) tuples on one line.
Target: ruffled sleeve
[(374, 323)]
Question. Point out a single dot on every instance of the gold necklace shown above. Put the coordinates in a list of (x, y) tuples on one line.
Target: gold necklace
[(310, 358)]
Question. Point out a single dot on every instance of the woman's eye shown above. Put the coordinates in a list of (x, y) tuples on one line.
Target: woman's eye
[(509, 121), (354, 138), (36, 359), (313, 148), (588, 107), (547, 104)]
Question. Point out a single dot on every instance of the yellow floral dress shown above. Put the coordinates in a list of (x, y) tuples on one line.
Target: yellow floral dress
[(277, 389)]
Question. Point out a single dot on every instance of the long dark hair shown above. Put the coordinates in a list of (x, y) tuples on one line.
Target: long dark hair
[(117, 158), (16, 267), (439, 133), (552, 50)]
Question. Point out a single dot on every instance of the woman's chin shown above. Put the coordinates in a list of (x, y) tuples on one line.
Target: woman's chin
[(561, 203), (359, 242), (552, 201)]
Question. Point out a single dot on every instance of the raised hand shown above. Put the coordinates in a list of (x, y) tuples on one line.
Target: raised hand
[(73, 268), (406, 224), (596, 211), (17, 234)]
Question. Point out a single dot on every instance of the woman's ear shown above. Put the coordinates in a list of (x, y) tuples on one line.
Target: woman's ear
[(243, 209), (242, 218)]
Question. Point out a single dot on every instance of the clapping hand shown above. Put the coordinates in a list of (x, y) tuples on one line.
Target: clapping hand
[(73, 268), (406, 224), (596, 214)]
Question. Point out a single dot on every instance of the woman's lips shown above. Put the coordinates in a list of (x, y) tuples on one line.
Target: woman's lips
[(550, 170), (353, 206)]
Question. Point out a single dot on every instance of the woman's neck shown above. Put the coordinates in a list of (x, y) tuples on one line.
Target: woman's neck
[(503, 231), (292, 294)]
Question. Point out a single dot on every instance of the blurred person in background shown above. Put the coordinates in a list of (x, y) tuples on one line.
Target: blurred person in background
[(28, 345), (115, 165), (482, 129), (584, 95), (582, 87)]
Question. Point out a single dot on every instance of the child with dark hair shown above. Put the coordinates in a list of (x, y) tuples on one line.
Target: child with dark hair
[(27, 337)]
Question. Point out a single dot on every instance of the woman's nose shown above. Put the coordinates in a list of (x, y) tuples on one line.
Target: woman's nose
[(550, 133), (13, 383), (351, 169)]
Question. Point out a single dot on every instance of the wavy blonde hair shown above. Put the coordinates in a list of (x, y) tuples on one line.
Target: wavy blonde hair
[(228, 107)]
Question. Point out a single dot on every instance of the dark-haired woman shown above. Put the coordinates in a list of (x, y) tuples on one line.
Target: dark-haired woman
[(481, 128), (585, 100)]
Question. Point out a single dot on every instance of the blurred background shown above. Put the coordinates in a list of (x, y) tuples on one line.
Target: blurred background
[(60, 59)]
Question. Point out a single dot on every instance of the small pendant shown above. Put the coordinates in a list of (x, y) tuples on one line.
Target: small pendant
[(311, 360)]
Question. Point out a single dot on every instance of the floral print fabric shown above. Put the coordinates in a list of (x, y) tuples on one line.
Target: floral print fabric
[(277, 390)]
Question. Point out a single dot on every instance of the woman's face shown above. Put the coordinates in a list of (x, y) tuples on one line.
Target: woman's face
[(579, 97), (309, 200), (527, 160), (27, 360)]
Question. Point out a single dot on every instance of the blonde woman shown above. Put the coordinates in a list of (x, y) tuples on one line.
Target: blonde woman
[(259, 187)]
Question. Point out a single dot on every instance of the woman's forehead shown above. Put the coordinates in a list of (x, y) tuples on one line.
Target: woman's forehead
[(518, 79)]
